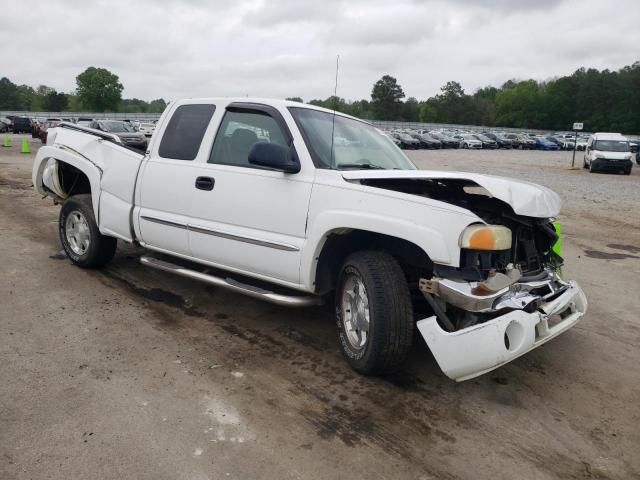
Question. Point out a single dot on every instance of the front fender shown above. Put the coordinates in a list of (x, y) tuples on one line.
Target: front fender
[(436, 243), (46, 158)]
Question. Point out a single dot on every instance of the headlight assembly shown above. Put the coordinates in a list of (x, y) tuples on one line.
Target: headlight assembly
[(486, 237)]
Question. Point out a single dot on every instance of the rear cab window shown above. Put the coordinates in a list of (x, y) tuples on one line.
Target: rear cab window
[(184, 133)]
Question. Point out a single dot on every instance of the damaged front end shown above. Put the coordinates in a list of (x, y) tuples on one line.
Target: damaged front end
[(506, 295), (509, 322), (499, 303)]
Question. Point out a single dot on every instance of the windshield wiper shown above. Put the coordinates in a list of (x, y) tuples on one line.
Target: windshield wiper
[(359, 166)]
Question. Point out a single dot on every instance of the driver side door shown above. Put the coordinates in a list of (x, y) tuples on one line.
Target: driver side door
[(245, 218)]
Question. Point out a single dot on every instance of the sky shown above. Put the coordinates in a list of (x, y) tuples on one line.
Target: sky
[(175, 49)]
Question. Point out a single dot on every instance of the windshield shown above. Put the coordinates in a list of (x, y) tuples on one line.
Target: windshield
[(116, 127), (611, 146), (356, 144)]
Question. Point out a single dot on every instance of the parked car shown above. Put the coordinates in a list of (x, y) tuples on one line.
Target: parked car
[(581, 143), (468, 140), (407, 142), (486, 141), (608, 151), (21, 125), (447, 141), (427, 141), (557, 141), (520, 141), (391, 137), (124, 131), (297, 223), (84, 121), (541, 143), (501, 140), (5, 124), (44, 128), (146, 129)]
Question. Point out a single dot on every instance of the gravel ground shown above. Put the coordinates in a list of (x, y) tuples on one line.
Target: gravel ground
[(128, 372)]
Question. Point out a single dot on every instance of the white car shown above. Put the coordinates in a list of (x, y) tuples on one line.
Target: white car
[(261, 190), (608, 151), (146, 129), (468, 140)]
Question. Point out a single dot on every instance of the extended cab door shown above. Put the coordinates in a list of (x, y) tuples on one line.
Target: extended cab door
[(246, 218), (166, 183)]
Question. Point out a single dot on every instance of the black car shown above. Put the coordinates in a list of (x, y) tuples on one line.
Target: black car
[(427, 141), (486, 141), (407, 142), (502, 141), (124, 131), (447, 141), (21, 125)]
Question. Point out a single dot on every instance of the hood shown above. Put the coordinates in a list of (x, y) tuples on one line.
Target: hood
[(612, 155), (524, 198)]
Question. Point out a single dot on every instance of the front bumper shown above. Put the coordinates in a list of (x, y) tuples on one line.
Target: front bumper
[(476, 350), (604, 164)]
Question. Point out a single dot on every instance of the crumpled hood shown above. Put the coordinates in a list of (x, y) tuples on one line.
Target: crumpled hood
[(525, 198)]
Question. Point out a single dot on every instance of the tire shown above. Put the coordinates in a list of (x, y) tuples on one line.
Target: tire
[(81, 239), (373, 283), (592, 169), (627, 171), (584, 163)]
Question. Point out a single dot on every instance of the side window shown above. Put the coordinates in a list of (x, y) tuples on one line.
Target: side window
[(241, 130), (183, 135)]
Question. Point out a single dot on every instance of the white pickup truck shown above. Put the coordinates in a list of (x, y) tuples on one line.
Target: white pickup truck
[(295, 203)]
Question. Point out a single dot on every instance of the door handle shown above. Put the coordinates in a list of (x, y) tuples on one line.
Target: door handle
[(205, 183)]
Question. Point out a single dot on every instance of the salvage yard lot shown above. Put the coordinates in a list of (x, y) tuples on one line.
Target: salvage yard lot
[(131, 373)]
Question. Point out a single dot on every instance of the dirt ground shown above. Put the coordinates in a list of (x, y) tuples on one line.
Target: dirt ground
[(132, 373)]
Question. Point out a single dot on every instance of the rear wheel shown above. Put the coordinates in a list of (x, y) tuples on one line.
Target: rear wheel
[(374, 315), (79, 234)]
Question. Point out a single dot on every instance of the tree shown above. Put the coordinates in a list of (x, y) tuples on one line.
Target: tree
[(8, 94), (55, 102), (410, 110), (386, 99), (99, 90), (157, 106)]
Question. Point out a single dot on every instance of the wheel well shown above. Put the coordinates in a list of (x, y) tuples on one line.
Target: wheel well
[(339, 245), (72, 180)]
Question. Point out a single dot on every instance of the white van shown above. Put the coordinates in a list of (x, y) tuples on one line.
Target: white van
[(608, 151)]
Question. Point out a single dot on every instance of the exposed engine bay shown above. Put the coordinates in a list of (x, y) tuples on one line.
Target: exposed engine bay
[(487, 283)]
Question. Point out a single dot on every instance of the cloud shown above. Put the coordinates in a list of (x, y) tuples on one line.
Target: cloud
[(180, 48)]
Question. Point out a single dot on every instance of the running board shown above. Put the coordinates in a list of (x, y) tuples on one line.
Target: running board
[(234, 285)]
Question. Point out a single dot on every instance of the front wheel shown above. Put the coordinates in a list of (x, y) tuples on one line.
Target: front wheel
[(374, 315), (79, 234)]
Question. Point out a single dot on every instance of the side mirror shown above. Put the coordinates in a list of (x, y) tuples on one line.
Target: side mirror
[(274, 156)]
